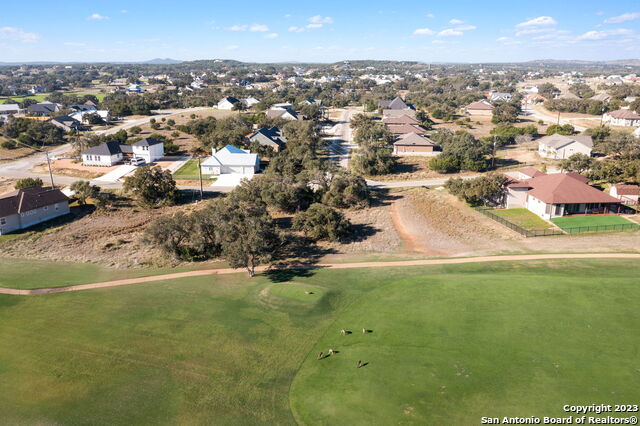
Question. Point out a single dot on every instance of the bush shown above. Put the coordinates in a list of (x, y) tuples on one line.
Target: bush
[(564, 129), (321, 222), (28, 183), (346, 191), (152, 185), (484, 190)]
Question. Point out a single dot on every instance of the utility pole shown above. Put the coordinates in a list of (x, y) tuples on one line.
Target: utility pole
[(46, 153), (558, 118), (493, 157), (200, 175)]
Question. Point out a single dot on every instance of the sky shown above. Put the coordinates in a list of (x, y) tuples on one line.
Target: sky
[(319, 31)]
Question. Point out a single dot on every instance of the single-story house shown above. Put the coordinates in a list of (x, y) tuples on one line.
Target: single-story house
[(82, 115), (249, 102), (495, 96), (388, 113), (527, 173), (559, 194), (10, 109), (269, 136), (403, 129), (628, 194), (560, 147), (111, 153), (396, 104), (67, 123), (231, 160), (227, 103), (283, 113), (534, 98), (43, 108), (479, 108), (401, 119), (414, 144), (568, 96), (622, 117), (311, 101), (26, 207)]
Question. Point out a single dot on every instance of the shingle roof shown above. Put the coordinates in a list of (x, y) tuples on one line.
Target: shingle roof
[(400, 119), (401, 129), (396, 103), (626, 114), (480, 105), (564, 188), (627, 189), (398, 112), (268, 136), (147, 142), (557, 141), (414, 139), (23, 200), (107, 148)]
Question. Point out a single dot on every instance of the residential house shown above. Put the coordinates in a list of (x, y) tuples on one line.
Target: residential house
[(67, 123), (388, 113), (111, 153), (283, 113), (231, 160), (401, 119), (311, 101), (495, 96), (527, 173), (483, 108), (26, 207), (559, 194), (534, 98), (43, 109), (8, 109), (134, 88), (37, 89), (568, 96), (414, 144), (602, 97), (627, 194), (269, 136), (249, 102), (622, 117), (396, 104), (559, 147), (81, 116), (227, 103), (404, 129)]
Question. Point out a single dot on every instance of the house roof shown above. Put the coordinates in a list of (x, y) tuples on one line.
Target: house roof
[(231, 156), (565, 188), (414, 139), (401, 129), (268, 136), (9, 107), (480, 105), (147, 142), (568, 96), (623, 189), (601, 97), (44, 108), (230, 99), (400, 119), (282, 113), (530, 171), (626, 114), (557, 141), (107, 148), (23, 200), (398, 112), (395, 103)]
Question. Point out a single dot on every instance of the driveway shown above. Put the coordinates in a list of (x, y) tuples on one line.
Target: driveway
[(229, 180), (117, 174), (339, 143)]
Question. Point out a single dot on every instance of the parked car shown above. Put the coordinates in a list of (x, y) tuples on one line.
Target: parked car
[(137, 161)]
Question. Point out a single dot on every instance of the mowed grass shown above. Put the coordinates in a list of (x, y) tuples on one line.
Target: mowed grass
[(523, 218), (226, 349), (569, 222), (29, 274), (189, 171)]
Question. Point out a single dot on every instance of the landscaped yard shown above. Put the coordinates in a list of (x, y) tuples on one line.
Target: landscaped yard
[(448, 344), (189, 171), (523, 218), (570, 223)]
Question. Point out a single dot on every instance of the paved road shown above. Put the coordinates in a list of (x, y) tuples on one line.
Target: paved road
[(156, 113), (553, 119), (340, 141), (398, 263)]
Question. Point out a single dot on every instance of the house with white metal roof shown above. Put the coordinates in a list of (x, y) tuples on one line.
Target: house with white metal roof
[(231, 160)]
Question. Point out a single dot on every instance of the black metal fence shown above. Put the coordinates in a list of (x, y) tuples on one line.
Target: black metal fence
[(549, 232)]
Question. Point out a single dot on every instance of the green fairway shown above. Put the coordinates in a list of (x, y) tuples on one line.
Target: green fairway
[(448, 344), (584, 221), (523, 218), (26, 274), (189, 171)]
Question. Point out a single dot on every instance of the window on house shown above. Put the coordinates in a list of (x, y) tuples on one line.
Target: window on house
[(55, 206), (3, 221), (46, 207)]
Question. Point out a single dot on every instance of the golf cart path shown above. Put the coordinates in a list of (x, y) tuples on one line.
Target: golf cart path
[(418, 262)]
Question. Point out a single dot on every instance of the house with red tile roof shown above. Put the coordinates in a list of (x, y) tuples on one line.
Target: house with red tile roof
[(622, 117), (628, 194), (559, 194)]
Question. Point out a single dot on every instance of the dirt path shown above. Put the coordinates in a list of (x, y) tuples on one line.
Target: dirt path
[(419, 262)]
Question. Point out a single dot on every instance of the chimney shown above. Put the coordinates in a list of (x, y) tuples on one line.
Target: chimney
[(213, 150)]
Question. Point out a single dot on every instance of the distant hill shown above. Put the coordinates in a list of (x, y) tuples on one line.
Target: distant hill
[(156, 61), (161, 61)]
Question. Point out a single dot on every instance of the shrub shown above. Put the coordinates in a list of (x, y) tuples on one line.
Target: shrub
[(321, 222)]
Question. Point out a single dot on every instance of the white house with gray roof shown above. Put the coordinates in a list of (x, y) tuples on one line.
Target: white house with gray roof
[(559, 147), (231, 160)]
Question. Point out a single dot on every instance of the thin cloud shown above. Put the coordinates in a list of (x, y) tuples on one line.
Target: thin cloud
[(258, 28), (318, 19), (232, 47), (622, 18), (296, 29), (599, 35), (17, 34), (465, 28), (539, 21), (74, 44), (314, 26), (423, 31), (450, 32), (238, 28), (456, 22), (271, 36), (430, 15), (97, 17)]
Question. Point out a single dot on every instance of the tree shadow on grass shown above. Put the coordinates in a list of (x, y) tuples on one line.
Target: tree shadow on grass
[(296, 257)]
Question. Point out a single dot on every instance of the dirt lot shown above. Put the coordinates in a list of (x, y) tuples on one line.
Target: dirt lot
[(67, 167), (415, 168), (6, 185), (482, 126)]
